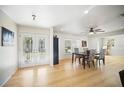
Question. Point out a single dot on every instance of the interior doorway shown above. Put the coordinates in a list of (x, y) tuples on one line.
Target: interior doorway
[(108, 44)]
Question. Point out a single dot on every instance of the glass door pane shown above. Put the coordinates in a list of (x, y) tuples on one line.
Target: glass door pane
[(25, 50), (41, 50)]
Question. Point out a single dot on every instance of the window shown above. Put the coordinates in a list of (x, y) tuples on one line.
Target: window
[(71, 44), (68, 46)]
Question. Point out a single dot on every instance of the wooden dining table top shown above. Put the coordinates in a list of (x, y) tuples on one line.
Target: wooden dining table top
[(83, 53)]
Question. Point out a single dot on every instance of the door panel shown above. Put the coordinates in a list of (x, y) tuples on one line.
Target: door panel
[(32, 49)]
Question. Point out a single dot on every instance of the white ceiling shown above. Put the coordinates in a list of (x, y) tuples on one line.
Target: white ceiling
[(68, 18)]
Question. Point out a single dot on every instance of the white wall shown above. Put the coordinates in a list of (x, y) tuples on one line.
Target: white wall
[(39, 31), (8, 55), (62, 37), (95, 43)]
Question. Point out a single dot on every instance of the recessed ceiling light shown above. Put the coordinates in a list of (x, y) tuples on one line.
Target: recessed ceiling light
[(86, 11)]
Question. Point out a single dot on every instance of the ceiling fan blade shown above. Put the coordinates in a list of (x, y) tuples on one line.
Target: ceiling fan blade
[(99, 31)]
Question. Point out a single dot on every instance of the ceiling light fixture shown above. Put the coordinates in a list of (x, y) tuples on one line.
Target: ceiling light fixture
[(86, 11), (34, 17), (91, 33)]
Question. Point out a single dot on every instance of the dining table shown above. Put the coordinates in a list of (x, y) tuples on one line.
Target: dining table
[(82, 55)]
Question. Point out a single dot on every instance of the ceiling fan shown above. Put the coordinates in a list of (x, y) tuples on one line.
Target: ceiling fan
[(94, 31)]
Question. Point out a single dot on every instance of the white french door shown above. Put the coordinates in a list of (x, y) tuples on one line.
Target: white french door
[(33, 49)]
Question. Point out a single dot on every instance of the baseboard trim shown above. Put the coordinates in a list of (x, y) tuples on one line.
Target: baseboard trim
[(25, 66), (8, 78)]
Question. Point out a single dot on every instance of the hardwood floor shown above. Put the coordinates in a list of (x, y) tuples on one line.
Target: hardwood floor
[(67, 74)]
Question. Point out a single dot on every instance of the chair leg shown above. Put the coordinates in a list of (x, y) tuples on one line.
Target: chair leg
[(88, 64), (75, 59), (83, 63), (99, 62), (79, 60), (72, 57), (93, 63), (104, 61)]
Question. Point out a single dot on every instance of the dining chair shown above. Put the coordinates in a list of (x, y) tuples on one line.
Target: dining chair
[(90, 57), (76, 50), (101, 56), (85, 50)]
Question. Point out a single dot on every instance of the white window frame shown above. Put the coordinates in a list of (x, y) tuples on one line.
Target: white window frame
[(65, 46)]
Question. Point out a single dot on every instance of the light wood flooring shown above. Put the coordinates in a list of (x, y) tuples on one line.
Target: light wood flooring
[(67, 74)]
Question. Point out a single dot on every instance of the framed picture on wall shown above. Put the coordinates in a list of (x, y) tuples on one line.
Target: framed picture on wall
[(7, 37), (84, 43)]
